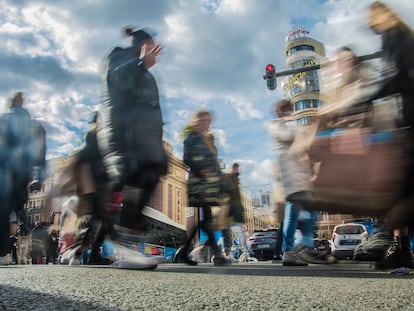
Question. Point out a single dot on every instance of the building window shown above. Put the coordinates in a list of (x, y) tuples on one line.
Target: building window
[(304, 120), (170, 201), (303, 47), (178, 202), (307, 103)]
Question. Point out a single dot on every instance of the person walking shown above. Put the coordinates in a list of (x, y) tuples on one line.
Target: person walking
[(204, 182), (236, 212), (398, 47), (101, 223), (22, 165), (130, 130), (296, 172)]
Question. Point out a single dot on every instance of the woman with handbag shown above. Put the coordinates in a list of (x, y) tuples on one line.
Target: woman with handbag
[(398, 47), (204, 182)]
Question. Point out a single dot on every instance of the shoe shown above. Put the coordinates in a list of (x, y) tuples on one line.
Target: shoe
[(69, 256), (180, 256), (311, 255), (185, 259), (99, 260), (75, 260), (375, 248), (5, 260), (290, 258), (398, 255), (128, 258), (221, 261)]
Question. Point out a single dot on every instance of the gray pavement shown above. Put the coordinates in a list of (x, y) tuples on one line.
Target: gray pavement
[(243, 286)]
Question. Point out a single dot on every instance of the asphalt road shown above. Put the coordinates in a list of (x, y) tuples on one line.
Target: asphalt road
[(243, 286)]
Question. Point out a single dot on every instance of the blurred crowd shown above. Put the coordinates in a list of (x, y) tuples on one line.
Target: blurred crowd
[(355, 157)]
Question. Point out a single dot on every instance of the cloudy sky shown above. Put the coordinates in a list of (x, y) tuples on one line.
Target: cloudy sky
[(214, 58)]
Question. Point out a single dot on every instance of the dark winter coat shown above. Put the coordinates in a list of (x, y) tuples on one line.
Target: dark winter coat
[(22, 148), (130, 127), (232, 188), (204, 181), (398, 48)]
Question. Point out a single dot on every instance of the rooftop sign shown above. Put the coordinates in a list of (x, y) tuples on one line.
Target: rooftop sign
[(298, 31)]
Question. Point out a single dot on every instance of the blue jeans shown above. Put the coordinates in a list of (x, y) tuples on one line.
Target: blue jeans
[(294, 208)]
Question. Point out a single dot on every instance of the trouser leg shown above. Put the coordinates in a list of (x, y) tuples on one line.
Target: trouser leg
[(289, 226), (227, 242), (137, 193), (207, 225)]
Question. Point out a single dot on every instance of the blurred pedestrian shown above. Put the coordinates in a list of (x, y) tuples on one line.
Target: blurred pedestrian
[(236, 211), (347, 89), (204, 182), (89, 160), (52, 247), (296, 172), (130, 130), (22, 164), (398, 47)]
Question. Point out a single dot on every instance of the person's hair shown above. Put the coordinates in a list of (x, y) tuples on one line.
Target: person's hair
[(235, 165), (138, 36), (283, 106), (346, 53), (16, 100), (198, 115), (378, 5)]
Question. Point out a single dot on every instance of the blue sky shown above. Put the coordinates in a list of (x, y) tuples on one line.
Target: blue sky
[(214, 58)]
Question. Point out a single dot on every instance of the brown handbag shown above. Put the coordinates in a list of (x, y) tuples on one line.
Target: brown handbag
[(361, 172)]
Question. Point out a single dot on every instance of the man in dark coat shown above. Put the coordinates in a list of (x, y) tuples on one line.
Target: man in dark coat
[(236, 212), (22, 162), (129, 132), (131, 127)]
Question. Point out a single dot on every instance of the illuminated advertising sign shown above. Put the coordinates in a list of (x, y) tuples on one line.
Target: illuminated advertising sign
[(296, 78)]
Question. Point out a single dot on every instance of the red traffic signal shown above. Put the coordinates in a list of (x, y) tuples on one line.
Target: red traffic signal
[(270, 68), (270, 77)]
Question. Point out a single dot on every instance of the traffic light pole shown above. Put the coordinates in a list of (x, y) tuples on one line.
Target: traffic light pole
[(318, 66)]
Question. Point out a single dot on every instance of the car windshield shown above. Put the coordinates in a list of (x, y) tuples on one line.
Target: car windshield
[(349, 230), (264, 233)]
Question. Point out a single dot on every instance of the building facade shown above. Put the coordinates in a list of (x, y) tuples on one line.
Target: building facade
[(303, 89)]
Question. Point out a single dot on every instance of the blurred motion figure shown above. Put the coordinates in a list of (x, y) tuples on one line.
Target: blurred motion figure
[(130, 127), (22, 165)]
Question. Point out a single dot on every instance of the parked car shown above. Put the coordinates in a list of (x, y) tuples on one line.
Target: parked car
[(262, 243), (369, 223), (345, 238), (322, 245)]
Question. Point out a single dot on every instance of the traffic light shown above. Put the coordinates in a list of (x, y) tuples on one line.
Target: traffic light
[(270, 77)]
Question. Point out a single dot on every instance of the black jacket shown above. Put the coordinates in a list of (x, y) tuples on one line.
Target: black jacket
[(130, 127), (398, 48)]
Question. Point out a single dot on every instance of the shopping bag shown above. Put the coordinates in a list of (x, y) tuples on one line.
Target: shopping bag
[(361, 172), (220, 215)]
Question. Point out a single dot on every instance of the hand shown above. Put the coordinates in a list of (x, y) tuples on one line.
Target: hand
[(149, 58)]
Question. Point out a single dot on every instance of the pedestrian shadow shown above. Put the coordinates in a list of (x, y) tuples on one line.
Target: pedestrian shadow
[(17, 298)]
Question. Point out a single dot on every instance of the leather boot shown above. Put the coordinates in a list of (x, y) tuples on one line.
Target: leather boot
[(398, 255)]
